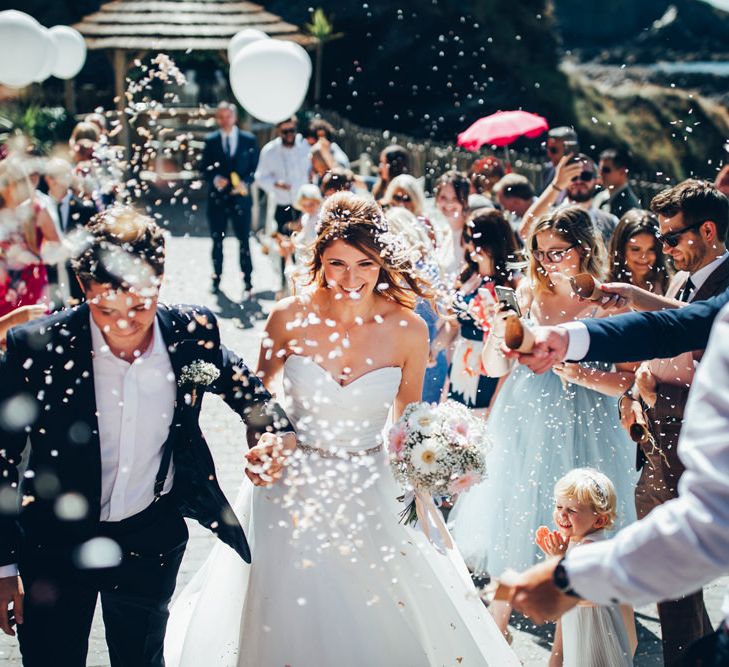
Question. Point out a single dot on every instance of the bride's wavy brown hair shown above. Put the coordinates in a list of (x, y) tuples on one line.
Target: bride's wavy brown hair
[(359, 221)]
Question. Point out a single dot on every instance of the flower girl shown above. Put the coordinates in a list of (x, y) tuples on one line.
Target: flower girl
[(588, 635)]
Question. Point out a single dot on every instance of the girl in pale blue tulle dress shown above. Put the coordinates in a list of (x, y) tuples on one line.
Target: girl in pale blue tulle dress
[(540, 427)]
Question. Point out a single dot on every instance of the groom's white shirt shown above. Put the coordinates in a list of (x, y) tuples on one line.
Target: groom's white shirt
[(134, 407)]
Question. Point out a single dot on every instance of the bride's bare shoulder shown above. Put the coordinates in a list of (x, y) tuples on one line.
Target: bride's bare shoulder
[(410, 326), (287, 311)]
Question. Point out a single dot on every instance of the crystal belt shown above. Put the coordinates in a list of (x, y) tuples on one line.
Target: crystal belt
[(338, 453)]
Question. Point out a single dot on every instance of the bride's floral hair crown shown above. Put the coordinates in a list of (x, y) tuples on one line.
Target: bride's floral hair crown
[(590, 486), (360, 222)]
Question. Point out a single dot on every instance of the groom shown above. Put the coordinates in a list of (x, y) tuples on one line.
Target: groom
[(108, 397)]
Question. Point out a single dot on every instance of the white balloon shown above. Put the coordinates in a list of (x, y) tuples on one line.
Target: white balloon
[(300, 52), (244, 38), (26, 44), (71, 51), (51, 58), (270, 78)]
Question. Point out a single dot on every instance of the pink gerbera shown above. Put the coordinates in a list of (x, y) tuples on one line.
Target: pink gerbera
[(396, 440), (464, 482)]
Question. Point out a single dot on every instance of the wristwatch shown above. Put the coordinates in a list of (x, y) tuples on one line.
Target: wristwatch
[(562, 581)]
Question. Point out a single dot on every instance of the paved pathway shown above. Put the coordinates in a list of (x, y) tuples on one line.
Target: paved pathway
[(187, 281)]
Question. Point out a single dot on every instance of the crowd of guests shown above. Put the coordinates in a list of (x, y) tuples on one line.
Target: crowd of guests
[(477, 234)]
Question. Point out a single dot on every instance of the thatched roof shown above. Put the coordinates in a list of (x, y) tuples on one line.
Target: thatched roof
[(179, 25)]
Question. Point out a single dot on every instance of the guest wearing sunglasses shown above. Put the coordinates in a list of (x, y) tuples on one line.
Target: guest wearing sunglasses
[(284, 166), (539, 425), (617, 197), (576, 176)]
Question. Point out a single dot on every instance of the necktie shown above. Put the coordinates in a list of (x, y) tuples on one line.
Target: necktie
[(688, 290), (226, 145)]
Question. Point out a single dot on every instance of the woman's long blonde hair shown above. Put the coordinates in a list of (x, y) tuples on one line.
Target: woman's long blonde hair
[(15, 172), (359, 221), (574, 226)]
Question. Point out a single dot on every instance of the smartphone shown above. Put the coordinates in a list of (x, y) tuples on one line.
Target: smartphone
[(507, 298), (570, 146)]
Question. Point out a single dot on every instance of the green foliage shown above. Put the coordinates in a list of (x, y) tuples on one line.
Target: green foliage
[(43, 126), (321, 28)]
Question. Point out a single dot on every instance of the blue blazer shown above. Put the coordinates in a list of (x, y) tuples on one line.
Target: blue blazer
[(215, 162), (654, 335)]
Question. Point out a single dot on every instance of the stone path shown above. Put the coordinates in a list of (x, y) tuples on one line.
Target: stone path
[(187, 281)]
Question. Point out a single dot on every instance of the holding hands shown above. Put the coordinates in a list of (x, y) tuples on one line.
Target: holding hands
[(265, 461)]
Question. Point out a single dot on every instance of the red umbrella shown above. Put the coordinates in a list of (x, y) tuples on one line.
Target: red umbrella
[(501, 129)]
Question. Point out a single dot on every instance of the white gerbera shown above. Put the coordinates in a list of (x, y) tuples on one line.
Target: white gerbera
[(424, 420), (426, 454)]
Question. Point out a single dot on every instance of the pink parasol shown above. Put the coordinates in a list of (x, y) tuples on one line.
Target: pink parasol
[(501, 129)]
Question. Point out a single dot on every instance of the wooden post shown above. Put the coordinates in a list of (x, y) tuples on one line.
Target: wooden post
[(69, 95), (119, 62)]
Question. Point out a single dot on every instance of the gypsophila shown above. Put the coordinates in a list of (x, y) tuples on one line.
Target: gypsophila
[(198, 374)]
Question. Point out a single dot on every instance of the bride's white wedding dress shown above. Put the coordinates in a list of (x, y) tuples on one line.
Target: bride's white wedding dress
[(335, 579)]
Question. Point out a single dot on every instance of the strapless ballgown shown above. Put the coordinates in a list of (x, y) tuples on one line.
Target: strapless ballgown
[(335, 579)]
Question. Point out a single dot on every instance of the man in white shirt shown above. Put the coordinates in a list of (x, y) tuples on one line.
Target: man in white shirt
[(108, 397), (283, 167), (680, 546)]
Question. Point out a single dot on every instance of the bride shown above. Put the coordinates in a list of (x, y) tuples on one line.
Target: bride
[(335, 578)]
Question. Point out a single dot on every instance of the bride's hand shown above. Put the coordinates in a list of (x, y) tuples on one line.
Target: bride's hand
[(265, 461)]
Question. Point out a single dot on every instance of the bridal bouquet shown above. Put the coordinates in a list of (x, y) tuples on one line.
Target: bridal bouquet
[(436, 450)]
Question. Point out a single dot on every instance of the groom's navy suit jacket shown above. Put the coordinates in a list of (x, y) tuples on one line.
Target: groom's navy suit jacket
[(47, 396), (654, 335)]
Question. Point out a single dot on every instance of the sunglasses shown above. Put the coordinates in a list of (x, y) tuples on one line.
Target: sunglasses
[(584, 176), (672, 238), (552, 150), (606, 170), (401, 198), (554, 256), (288, 130)]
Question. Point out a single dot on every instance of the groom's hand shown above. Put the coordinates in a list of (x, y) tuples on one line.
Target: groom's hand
[(265, 461), (11, 592)]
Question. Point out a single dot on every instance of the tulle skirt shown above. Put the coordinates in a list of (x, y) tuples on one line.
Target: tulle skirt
[(335, 580), (540, 431)]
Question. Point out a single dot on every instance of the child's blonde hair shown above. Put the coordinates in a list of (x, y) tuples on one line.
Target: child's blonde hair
[(588, 485)]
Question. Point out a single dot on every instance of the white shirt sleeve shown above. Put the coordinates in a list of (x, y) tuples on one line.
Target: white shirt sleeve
[(8, 571), (684, 543), (265, 175), (579, 340)]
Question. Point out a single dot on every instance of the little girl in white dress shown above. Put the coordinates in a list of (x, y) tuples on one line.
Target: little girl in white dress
[(588, 635)]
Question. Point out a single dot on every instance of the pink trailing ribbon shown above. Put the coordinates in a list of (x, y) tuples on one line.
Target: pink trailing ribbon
[(425, 509)]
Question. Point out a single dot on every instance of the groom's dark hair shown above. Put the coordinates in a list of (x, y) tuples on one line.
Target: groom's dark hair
[(122, 248)]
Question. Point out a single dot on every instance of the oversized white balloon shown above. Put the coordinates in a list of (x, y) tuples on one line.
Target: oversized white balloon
[(270, 78), (26, 44), (71, 51), (244, 38), (51, 58)]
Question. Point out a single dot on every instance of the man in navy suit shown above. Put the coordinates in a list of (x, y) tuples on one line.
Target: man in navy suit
[(229, 161), (107, 398)]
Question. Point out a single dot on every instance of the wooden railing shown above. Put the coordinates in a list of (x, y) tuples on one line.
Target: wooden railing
[(429, 158)]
